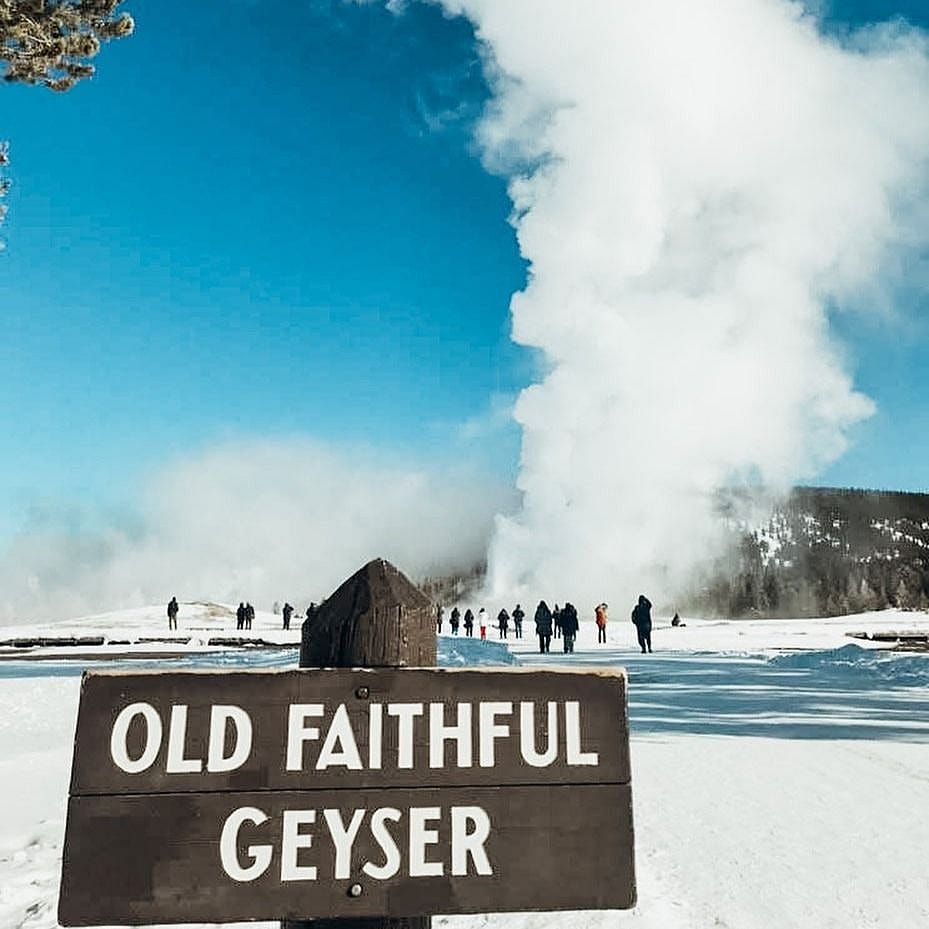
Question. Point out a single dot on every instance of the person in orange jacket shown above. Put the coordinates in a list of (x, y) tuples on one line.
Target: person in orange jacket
[(600, 613)]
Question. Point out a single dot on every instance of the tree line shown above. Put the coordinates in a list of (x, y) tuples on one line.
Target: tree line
[(823, 552)]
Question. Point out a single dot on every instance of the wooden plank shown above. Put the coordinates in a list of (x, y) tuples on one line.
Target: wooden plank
[(267, 697), (549, 848)]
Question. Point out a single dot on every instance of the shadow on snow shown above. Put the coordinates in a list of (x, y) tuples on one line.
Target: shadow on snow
[(824, 695)]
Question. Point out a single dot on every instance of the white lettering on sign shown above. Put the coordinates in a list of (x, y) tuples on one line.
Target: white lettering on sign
[(527, 746), (572, 712), (343, 837), (490, 731), (470, 830), (340, 736), (420, 837), (340, 747), (292, 840), (228, 854), (382, 836), (177, 736), (119, 751), (299, 732), (176, 761), (465, 843), (405, 713), (220, 717), (459, 733), (375, 731)]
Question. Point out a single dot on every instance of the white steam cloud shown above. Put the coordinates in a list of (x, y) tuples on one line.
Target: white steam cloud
[(696, 184), (263, 521)]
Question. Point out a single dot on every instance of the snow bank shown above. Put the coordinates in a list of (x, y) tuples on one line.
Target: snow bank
[(460, 651), (861, 666)]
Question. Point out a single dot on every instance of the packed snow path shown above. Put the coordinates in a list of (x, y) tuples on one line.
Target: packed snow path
[(771, 788)]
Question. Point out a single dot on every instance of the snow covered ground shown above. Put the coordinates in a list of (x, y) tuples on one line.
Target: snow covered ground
[(126, 631), (780, 769)]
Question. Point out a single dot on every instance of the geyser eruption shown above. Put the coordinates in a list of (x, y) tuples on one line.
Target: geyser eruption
[(696, 186)]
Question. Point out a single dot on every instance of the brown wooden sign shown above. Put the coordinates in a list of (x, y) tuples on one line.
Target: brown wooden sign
[(215, 797)]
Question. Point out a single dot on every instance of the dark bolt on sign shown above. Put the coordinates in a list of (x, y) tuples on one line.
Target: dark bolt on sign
[(216, 797)]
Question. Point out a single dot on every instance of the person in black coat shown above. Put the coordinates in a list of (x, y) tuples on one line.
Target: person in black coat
[(569, 626), (468, 623), (543, 626), (556, 621), (642, 619), (240, 617), (439, 614), (249, 615), (287, 612), (503, 623), (518, 615), (172, 614)]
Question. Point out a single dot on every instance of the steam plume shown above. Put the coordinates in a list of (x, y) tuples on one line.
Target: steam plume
[(696, 185), (263, 520)]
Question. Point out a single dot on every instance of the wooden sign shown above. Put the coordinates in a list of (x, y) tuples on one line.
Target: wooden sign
[(217, 797)]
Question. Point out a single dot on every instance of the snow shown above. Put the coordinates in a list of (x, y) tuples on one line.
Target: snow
[(198, 622), (780, 768)]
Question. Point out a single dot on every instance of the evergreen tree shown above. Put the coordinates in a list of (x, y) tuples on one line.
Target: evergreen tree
[(51, 42)]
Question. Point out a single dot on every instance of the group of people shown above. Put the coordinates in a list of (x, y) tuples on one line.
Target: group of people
[(244, 616), (559, 623), (562, 621), (468, 620)]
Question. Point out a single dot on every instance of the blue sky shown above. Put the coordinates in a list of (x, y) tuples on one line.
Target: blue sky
[(252, 224)]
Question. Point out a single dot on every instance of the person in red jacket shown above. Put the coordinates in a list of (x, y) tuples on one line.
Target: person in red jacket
[(600, 613)]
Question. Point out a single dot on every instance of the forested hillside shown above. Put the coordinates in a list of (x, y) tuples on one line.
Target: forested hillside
[(824, 552)]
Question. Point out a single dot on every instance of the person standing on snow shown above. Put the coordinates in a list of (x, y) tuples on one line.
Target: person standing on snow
[(556, 621), (287, 612), (543, 627), (482, 623), (600, 614), (439, 613), (518, 615), (249, 615), (469, 623), (642, 619), (569, 626), (503, 623), (172, 614), (240, 616), (455, 620)]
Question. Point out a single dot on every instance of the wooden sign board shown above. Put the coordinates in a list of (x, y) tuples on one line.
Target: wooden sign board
[(226, 796)]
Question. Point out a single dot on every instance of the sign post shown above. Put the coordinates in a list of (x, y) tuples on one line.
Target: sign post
[(377, 618), (355, 797)]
